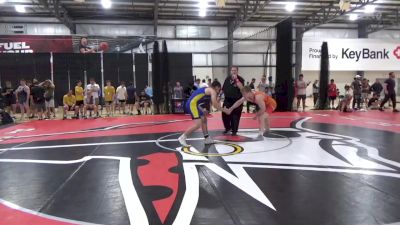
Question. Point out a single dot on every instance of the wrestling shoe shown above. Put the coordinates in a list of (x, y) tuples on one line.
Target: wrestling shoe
[(182, 140)]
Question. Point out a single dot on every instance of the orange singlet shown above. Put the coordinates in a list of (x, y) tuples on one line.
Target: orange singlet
[(270, 103)]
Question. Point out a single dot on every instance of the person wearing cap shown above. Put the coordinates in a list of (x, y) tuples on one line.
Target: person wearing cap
[(357, 88)]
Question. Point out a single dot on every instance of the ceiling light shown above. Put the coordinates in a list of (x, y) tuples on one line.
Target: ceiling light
[(369, 9), (20, 8), (290, 6), (353, 17), (202, 12), (203, 4), (106, 4), (2, 1)]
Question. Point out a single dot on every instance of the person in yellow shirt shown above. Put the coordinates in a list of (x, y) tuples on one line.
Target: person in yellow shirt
[(79, 95), (69, 102), (109, 92)]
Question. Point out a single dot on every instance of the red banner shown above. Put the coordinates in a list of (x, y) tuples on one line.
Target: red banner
[(35, 43)]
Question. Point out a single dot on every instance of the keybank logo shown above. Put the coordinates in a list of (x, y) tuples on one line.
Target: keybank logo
[(365, 53), (396, 52)]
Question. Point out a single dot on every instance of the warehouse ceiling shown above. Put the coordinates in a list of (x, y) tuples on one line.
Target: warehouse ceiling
[(382, 13)]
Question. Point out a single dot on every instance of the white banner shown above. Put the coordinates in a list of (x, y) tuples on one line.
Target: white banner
[(353, 55)]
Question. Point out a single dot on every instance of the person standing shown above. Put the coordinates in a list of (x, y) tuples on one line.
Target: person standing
[(79, 96), (22, 97), (301, 87), (390, 92), (37, 93), (365, 92), (232, 94), (252, 87), (122, 95), (109, 92), (315, 88), (178, 91), (93, 89), (49, 97), (332, 93), (263, 86), (357, 88), (131, 98)]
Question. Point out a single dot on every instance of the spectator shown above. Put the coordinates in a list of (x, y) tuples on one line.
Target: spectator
[(390, 93), (90, 105), (93, 89), (178, 91), (203, 84), (49, 97), (332, 94), (365, 91), (315, 87), (149, 91), (83, 46), (301, 88), (37, 93), (377, 88), (189, 90), (79, 96), (373, 103), (344, 105), (197, 84), (263, 86), (144, 102), (132, 96), (69, 104), (109, 92), (251, 85), (22, 97), (209, 82), (31, 103), (9, 98), (271, 87), (357, 88), (122, 95)]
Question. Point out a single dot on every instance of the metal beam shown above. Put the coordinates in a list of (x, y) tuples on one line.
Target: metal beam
[(248, 10), (331, 12), (59, 12), (383, 21), (156, 3)]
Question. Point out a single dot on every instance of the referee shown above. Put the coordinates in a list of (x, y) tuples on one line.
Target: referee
[(232, 94)]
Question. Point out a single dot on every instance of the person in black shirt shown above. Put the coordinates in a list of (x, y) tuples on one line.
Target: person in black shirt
[(390, 92), (9, 98), (232, 94), (83, 48), (37, 93), (144, 102), (377, 88)]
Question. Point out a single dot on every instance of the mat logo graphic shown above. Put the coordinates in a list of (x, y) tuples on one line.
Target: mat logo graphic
[(365, 53), (396, 52)]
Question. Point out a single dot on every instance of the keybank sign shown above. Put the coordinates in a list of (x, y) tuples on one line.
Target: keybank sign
[(353, 55)]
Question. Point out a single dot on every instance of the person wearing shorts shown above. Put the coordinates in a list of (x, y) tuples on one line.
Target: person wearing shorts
[(195, 106), (37, 93), (121, 96), (365, 92), (22, 98), (144, 102), (79, 95), (90, 105), (131, 100), (49, 97), (265, 105), (332, 93), (109, 92), (69, 104), (301, 88)]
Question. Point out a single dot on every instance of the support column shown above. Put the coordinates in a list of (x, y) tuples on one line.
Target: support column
[(230, 45), (298, 50), (362, 33)]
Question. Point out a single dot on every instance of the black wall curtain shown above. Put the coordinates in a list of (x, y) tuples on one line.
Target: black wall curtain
[(118, 67), (165, 79), (284, 65), (141, 71), (157, 94), (324, 78), (180, 68)]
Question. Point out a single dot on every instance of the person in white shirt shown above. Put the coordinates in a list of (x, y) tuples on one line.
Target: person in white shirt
[(263, 86), (122, 95), (301, 87), (203, 84), (93, 90), (271, 87)]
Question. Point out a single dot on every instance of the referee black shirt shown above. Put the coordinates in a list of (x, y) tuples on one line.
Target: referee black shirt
[(231, 91)]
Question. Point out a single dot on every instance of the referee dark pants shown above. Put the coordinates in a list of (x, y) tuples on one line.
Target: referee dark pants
[(231, 122)]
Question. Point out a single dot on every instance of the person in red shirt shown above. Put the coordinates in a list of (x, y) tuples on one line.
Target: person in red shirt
[(332, 93)]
